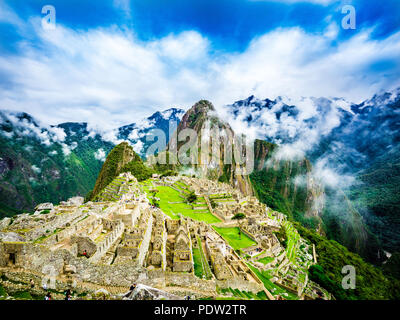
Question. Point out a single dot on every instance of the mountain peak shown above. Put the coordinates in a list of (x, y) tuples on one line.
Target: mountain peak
[(116, 160)]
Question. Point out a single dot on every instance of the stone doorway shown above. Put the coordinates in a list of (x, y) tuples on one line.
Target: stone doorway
[(11, 258)]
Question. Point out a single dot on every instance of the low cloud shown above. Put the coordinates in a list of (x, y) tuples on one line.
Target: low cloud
[(36, 169), (100, 155), (330, 176)]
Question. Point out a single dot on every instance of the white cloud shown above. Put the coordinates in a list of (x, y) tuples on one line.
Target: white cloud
[(330, 176), (8, 135), (9, 16), (124, 5), (58, 134), (138, 146), (100, 155), (36, 169), (134, 135), (108, 77), (65, 149)]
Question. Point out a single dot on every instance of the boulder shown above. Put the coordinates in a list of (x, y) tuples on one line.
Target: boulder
[(44, 206), (5, 223), (11, 237), (143, 292)]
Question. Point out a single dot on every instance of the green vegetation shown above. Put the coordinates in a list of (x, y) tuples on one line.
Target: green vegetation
[(282, 237), (22, 295), (172, 204), (239, 216), (371, 283), (270, 286), (226, 174), (392, 266), (275, 186), (121, 159), (61, 176), (169, 165), (201, 266), (3, 292), (376, 197), (138, 169), (231, 235), (291, 241), (191, 197), (266, 260), (240, 295), (198, 267), (213, 203)]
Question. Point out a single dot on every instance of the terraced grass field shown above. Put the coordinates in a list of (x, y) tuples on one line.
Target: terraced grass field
[(272, 287), (198, 267), (231, 235), (172, 204), (266, 260)]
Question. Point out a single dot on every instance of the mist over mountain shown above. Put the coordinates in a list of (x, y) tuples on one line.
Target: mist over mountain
[(47, 163), (347, 144)]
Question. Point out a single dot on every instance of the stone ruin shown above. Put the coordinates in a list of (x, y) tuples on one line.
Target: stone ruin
[(121, 237)]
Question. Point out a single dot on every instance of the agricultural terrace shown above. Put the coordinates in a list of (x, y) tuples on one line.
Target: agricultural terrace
[(172, 203), (275, 289), (292, 245), (231, 235), (236, 294), (201, 266)]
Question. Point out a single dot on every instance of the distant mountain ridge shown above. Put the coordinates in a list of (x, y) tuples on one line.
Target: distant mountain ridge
[(40, 163), (347, 144)]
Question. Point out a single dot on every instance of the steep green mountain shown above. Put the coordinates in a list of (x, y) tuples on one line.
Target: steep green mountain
[(371, 282), (122, 158), (377, 197), (354, 152), (285, 185), (39, 164)]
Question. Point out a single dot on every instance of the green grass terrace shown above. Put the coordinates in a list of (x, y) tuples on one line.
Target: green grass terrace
[(172, 203), (231, 235)]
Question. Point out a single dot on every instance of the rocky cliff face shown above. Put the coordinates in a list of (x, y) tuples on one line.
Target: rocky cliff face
[(287, 185), (213, 137)]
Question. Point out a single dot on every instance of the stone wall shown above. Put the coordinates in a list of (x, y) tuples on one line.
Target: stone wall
[(60, 221), (144, 246), (243, 285), (84, 243), (109, 240)]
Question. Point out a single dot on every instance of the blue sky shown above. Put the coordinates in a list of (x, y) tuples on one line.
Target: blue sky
[(117, 60), (230, 24)]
